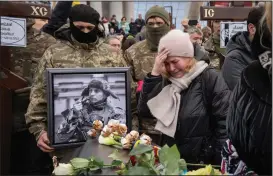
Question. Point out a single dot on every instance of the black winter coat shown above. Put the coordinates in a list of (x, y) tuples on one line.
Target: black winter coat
[(237, 58), (133, 28), (201, 128), (249, 121)]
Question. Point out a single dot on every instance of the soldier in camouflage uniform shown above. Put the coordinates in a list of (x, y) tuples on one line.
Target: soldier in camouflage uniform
[(141, 56), (212, 45), (24, 61), (92, 105), (79, 46)]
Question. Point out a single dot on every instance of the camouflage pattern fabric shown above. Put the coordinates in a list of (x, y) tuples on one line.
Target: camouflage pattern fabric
[(141, 60), (212, 45), (24, 62), (85, 117), (64, 55)]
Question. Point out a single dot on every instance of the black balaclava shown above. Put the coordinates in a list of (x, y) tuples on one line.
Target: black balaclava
[(86, 14)]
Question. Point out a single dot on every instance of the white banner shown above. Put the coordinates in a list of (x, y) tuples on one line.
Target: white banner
[(13, 31), (228, 29)]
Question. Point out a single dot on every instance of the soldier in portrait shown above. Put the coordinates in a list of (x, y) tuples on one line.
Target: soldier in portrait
[(93, 105)]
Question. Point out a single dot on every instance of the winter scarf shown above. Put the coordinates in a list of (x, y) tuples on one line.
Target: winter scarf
[(165, 106)]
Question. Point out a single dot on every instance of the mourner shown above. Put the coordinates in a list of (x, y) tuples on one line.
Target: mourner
[(249, 121), (79, 46), (187, 99)]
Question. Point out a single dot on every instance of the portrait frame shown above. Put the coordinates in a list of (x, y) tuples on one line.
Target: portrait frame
[(52, 74)]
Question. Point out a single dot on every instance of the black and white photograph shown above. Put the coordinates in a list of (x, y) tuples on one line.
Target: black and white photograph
[(80, 98)]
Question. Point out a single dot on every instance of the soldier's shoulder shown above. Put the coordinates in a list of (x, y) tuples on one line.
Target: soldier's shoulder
[(138, 48), (104, 46), (59, 48), (141, 44), (208, 45), (116, 110)]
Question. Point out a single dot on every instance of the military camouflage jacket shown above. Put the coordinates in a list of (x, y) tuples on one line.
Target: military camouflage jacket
[(84, 118), (141, 60), (25, 60), (216, 54), (64, 55)]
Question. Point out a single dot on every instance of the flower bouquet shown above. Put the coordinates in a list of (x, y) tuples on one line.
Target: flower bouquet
[(145, 158), (115, 134)]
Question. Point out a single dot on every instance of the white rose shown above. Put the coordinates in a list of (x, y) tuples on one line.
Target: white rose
[(63, 169), (113, 122), (135, 135), (126, 144), (145, 139)]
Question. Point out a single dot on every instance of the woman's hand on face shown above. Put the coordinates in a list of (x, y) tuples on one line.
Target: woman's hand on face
[(159, 66)]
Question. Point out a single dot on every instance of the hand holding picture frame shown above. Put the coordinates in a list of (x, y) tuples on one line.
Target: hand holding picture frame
[(77, 97)]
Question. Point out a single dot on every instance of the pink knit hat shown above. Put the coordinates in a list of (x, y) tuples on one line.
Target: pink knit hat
[(178, 43)]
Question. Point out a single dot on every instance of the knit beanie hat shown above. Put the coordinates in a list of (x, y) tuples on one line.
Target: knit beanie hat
[(84, 13), (178, 43), (157, 11)]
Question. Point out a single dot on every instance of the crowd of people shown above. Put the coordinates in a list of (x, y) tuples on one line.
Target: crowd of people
[(215, 104)]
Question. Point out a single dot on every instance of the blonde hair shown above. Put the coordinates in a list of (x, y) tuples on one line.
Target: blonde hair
[(268, 14), (266, 21), (189, 66), (108, 39)]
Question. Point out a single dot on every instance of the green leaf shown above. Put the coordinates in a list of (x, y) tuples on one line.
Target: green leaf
[(138, 170), (97, 162), (140, 149), (169, 158), (115, 155), (163, 155), (118, 146), (117, 138), (182, 165), (94, 168), (79, 163), (212, 170), (116, 163)]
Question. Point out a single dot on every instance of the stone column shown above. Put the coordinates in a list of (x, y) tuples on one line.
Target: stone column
[(97, 5), (105, 9), (116, 8), (128, 9)]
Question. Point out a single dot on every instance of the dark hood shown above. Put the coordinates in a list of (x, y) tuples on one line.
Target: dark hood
[(64, 33), (239, 41)]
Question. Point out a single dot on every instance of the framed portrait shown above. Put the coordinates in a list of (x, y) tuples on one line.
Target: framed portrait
[(79, 96)]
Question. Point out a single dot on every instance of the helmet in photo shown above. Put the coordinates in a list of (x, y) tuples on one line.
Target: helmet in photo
[(99, 84)]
